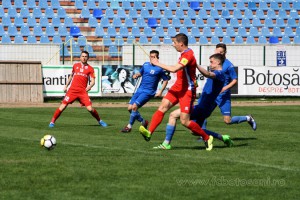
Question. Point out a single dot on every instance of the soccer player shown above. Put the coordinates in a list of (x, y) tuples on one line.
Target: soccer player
[(151, 75), (78, 82), (183, 91), (205, 106), (224, 99)]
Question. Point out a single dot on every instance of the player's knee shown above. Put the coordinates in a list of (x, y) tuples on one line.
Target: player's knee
[(227, 121), (184, 122)]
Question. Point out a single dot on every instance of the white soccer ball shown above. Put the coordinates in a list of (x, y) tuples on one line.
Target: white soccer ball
[(48, 141)]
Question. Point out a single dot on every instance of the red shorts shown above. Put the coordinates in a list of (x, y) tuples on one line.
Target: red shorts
[(186, 99), (83, 98)]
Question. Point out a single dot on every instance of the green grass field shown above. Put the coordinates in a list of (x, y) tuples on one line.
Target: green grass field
[(91, 162)]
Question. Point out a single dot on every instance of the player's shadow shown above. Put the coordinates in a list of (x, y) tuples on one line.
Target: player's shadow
[(243, 139)]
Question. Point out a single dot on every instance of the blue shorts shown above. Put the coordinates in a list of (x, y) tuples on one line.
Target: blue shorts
[(199, 114), (140, 98), (224, 105)]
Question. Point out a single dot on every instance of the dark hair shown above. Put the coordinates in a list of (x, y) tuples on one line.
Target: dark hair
[(181, 37), (222, 45), (85, 53), (156, 52), (219, 57), (127, 74)]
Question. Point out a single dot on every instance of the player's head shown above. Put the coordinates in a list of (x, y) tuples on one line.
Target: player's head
[(221, 48), (216, 61), (180, 42), (154, 54), (84, 57)]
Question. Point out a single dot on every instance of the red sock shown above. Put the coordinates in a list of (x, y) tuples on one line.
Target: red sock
[(95, 114), (195, 128), (56, 115), (156, 120)]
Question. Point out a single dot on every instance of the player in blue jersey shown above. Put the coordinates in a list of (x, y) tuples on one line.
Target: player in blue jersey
[(205, 106), (151, 75), (224, 99)]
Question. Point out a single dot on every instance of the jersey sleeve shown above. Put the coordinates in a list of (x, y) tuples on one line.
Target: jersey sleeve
[(184, 59), (92, 73), (232, 73), (220, 75)]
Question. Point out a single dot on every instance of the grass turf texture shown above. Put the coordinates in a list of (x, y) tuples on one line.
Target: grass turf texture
[(92, 162)]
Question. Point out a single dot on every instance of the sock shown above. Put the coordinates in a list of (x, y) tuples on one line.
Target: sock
[(132, 117), (238, 119), (56, 115), (156, 120), (169, 133), (214, 134), (195, 128), (95, 114), (139, 116), (204, 124)]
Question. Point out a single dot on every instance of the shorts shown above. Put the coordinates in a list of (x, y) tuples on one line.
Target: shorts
[(184, 98), (199, 114), (82, 97), (140, 98), (224, 105)]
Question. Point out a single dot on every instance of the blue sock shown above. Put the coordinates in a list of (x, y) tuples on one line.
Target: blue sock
[(215, 135), (238, 119), (204, 124), (170, 130), (139, 116), (132, 117)]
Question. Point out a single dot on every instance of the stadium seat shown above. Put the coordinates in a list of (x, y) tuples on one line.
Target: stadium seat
[(121, 13), (268, 22), (237, 14), (50, 31), (172, 5), (271, 13), (161, 5), (250, 40), (234, 22), (68, 21), (6, 39), (92, 22), (55, 4), (242, 31), (230, 31), (245, 22), (62, 30), (156, 13), (215, 40), (12, 30), (191, 14), (18, 21), (91, 4), (79, 4), (61, 12), (111, 31), (114, 4), (2, 32), (195, 5), (285, 40), (240, 5), (164, 22), (89, 49), (64, 51), (44, 21), (113, 51), (107, 40), (19, 39), (214, 14), (81, 41), (225, 13), (152, 22), (253, 31), (124, 31), (12, 12), (207, 31), (129, 22), (6, 4), (43, 4), (143, 39), (229, 5), (117, 22), (135, 31), (203, 14), (203, 40), (176, 22), (130, 39), (192, 39), (292, 22), (262, 40), (273, 40), (159, 31), (288, 31), (297, 39), (218, 31), (199, 22), (137, 5), (31, 39), (184, 30), (56, 39), (149, 5), (103, 4), (98, 14), (238, 39), (119, 41), (222, 22), (44, 39), (133, 13), (75, 50), (277, 31), (171, 31), (147, 31), (195, 31), (282, 14), (263, 5), (24, 12), (140, 22), (49, 13), (25, 31), (145, 13), (252, 5), (19, 4), (168, 40), (211, 22), (256, 22), (180, 13), (75, 31), (206, 5), (274, 5), (227, 40), (85, 13), (265, 31), (37, 12), (109, 12), (260, 14), (31, 21), (56, 21), (99, 31), (30, 4), (168, 13), (218, 5), (187, 22), (155, 40)]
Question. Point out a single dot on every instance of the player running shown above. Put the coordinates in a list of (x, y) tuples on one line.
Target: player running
[(205, 106), (151, 75), (79, 88), (183, 92)]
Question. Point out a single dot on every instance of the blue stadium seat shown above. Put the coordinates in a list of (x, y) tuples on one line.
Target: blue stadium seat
[(242, 31), (156, 13), (92, 22), (145, 13), (285, 5), (291, 22), (207, 31), (203, 14), (282, 14), (191, 14), (18, 21), (229, 5), (19, 4), (168, 40), (176, 22), (280, 22), (137, 5), (274, 5), (218, 5), (44, 21), (62, 30), (56, 39), (56, 21), (143, 39), (252, 5), (61, 12), (206, 5), (230, 31), (218, 31), (211, 22), (271, 13), (43, 4), (180, 13), (117, 22), (260, 14), (195, 5), (91, 4), (184, 30), (203, 39), (6, 4), (98, 14), (2, 32), (238, 39), (253, 31), (49, 13), (288, 31), (12, 12), (227, 40), (64, 51), (171, 31), (159, 31), (12, 30), (140, 22), (199, 22), (155, 40), (121, 13), (31, 4), (273, 40), (6, 20), (107, 40), (256, 22), (152, 22), (297, 39), (55, 4), (85, 13), (214, 14), (164, 22), (24, 12), (225, 13), (75, 31), (262, 40), (79, 4), (248, 14), (76, 50), (124, 31), (19, 39), (113, 51), (268, 22), (37, 12), (44, 39), (187, 22), (285, 40), (168, 13), (109, 12), (111, 31), (129, 22), (263, 5), (277, 31), (130, 39), (135, 31), (148, 31), (237, 14), (195, 31), (50, 31), (172, 5), (25, 31), (2, 13), (149, 5), (103, 4), (90, 49), (114, 4), (6, 39), (192, 39), (31, 39), (161, 5), (81, 40), (240, 5), (184, 5), (222, 22), (265, 31), (245, 22), (31, 21), (99, 31), (133, 13), (234, 22), (68, 21), (215, 40)]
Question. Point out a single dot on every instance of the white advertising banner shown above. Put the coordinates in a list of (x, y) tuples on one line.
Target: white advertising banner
[(56, 77), (272, 81)]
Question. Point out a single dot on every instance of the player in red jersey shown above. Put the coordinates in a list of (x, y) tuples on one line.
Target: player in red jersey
[(183, 91), (78, 82)]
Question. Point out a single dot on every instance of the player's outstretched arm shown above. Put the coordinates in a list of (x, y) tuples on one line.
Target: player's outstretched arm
[(206, 73), (137, 75), (170, 68), (163, 87)]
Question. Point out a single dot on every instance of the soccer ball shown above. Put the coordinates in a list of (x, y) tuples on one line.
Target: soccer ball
[(48, 141)]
